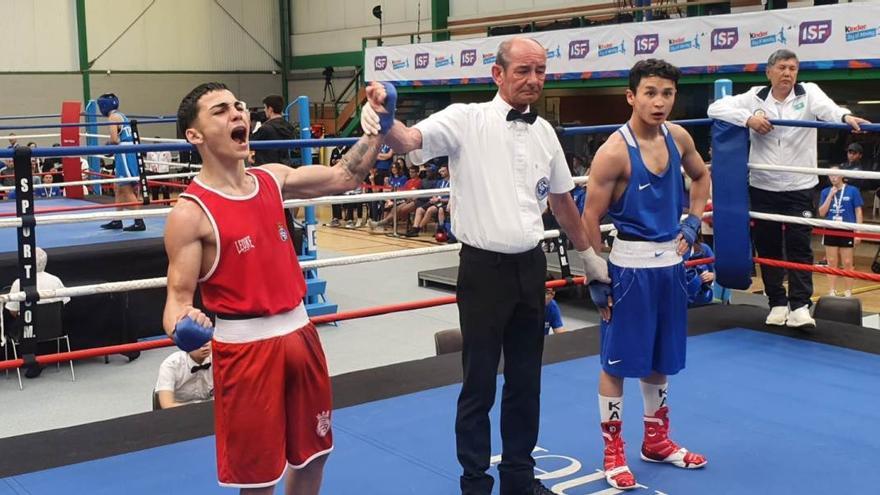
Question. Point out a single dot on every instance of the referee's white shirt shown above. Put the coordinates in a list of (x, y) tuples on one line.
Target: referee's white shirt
[(175, 374), (784, 145), (500, 173)]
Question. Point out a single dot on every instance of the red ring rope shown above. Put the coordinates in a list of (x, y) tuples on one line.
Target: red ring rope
[(45, 211), (819, 269), (846, 233)]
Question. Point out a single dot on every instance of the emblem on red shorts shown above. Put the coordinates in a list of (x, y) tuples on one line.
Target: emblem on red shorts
[(282, 232), (323, 423)]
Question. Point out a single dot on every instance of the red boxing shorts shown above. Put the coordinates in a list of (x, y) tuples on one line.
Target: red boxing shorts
[(272, 399)]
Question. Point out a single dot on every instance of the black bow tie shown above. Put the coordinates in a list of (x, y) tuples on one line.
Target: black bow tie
[(200, 367), (528, 117)]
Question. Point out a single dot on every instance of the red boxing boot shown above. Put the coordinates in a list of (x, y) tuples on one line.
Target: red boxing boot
[(657, 447), (617, 473)]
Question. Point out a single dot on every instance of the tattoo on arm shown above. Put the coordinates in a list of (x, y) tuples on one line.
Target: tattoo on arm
[(360, 158)]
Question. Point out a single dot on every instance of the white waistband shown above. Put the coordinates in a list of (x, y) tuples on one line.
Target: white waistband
[(644, 254), (266, 327)]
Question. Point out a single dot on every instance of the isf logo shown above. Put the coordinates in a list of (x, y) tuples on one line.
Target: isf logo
[(422, 60), (578, 49), (380, 62), (646, 44), (814, 32), (468, 58), (725, 38)]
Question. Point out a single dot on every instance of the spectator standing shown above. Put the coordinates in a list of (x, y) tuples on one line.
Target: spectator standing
[(842, 203), (274, 128)]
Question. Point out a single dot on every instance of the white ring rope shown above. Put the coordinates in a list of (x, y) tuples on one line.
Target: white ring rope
[(196, 166), (155, 140), (33, 136), (51, 219), (159, 282), (815, 222), (855, 174)]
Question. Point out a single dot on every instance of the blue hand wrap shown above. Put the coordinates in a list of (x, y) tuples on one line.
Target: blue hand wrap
[(599, 293), (689, 228), (189, 335), (386, 120)]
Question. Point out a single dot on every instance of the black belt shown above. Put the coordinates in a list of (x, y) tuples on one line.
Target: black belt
[(476, 252), (238, 316), (633, 238)]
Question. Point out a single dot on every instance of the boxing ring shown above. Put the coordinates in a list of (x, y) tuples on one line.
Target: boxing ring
[(775, 409), (767, 406)]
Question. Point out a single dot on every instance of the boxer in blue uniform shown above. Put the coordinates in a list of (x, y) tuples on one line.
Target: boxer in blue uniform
[(126, 163), (636, 178)]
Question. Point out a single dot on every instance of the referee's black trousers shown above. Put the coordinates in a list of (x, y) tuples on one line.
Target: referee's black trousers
[(791, 244), (501, 309)]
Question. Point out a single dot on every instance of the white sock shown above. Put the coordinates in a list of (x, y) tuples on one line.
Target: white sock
[(654, 396), (610, 408)]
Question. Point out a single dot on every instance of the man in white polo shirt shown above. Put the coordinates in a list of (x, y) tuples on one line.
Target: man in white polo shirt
[(185, 377), (783, 193), (505, 164)]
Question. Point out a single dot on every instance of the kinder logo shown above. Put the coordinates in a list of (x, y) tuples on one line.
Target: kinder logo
[(488, 58), (724, 38), (400, 64), (607, 49), (646, 44), (761, 38), (422, 60), (682, 43), (814, 32), (380, 62), (444, 61), (468, 58), (554, 53), (860, 32), (578, 49)]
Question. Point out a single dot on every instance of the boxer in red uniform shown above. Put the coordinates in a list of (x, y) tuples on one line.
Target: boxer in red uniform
[(228, 236)]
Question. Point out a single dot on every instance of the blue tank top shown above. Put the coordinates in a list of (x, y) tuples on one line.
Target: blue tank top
[(125, 135), (651, 206)]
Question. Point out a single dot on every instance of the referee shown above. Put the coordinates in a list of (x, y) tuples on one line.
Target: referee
[(505, 164)]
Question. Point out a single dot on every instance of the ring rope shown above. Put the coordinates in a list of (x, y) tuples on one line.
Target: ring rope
[(35, 136), (154, 140), (47, 359), (819, 269), (159, 282), (113, 180), (815, 222), (100, 206), (850, 234), (855, 174)]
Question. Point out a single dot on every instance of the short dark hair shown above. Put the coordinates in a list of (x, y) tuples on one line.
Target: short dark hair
[(652, 67), (275, 102), (189, 108)]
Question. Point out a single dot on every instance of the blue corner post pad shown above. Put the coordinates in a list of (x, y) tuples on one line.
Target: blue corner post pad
[(730, 206)]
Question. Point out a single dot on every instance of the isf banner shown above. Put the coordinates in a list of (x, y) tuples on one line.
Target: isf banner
[(828, 37)]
